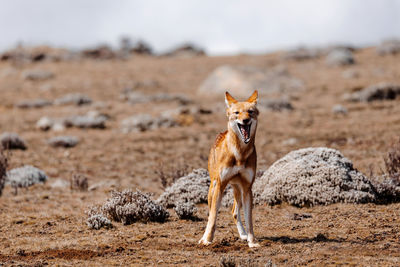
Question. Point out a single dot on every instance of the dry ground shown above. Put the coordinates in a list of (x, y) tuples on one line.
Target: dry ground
[(46, 226)]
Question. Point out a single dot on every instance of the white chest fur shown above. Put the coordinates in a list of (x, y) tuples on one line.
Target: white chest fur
[(229, 172)]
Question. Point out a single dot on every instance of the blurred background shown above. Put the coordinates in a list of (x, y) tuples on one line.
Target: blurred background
[(219, 27)]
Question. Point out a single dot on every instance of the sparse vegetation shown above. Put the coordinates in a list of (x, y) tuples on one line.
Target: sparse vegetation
[(79, 182), (129, 207), (3, 169), (185, 210), (231, 261), (387, 185), (98, 221)]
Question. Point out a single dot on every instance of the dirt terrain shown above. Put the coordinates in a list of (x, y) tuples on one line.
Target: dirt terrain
[(46, 225)]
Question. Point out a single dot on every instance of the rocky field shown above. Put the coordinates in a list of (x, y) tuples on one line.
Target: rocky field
[(94, 124)]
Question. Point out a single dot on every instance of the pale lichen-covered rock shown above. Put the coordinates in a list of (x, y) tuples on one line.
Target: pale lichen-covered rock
[(380, 91), (35, 103), (145, 122), (37, 75), (12, 141), (63, 141), (73, 99), (190, 188), (26, 176), (388, 47), (241, 81), (313, 176), (340, 57)]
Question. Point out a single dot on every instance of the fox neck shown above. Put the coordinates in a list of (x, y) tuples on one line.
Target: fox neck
[(236, 145)]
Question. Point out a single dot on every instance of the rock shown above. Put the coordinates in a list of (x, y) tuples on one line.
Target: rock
[(241, 81), (144, 122), (35, 54), (290, 142), (12, 141), (60, 183), (388, 47), (36, 103), (85, 121), (190, 188), (44, 123), (313, 176), (37, 75), (340, 57), (350, 74), (73, 99), (186, 50), (280, 104), (137, 97), (339, 109), (380, 91), (100, 52), (63, 141), (142, 48), (92, 119), (26, 176), (303, 53)]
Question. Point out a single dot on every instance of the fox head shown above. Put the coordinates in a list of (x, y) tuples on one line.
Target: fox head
[(242, 116)]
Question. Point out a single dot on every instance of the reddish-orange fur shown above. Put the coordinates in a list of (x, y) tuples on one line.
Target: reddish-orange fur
[(233, 160)]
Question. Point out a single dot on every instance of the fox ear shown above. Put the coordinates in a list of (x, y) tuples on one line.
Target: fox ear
[(253, 98), (229, 100)]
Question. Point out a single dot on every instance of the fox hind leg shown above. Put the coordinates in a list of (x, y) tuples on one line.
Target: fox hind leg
[(237, 205)]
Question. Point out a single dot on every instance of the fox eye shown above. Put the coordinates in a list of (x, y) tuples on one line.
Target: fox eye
[(251, 112), (236, 112)]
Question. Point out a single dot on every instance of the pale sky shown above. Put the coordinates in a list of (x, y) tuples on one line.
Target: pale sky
[(219, 26)]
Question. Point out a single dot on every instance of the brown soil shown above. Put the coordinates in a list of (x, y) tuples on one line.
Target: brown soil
[(46, 226)]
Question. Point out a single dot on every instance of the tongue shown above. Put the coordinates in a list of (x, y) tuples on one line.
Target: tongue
[(244, 132)]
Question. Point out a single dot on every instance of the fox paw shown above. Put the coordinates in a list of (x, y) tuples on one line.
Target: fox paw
[(204, 242), (243, 237), (254, 245)]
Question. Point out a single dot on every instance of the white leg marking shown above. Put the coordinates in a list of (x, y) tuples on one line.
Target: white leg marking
[(241, 230), (247, 207)]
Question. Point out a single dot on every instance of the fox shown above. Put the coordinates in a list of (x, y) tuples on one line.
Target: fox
[(233, 160)]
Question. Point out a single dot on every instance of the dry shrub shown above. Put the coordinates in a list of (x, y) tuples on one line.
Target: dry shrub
[(190, 188), (185, 210), (129, 207), (392, 163), (387, 185), (168, 175), (79, 182), (98, 221), (232, 261), (3, 169)]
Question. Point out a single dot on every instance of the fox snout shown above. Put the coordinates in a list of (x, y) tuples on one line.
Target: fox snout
[(246, 121)]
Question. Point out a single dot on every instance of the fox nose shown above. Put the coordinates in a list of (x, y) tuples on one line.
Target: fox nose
[(246, 121)]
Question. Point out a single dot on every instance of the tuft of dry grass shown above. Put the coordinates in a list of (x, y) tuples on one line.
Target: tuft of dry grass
[(168, 175), (79, 182), (3, 169), (392, 163)]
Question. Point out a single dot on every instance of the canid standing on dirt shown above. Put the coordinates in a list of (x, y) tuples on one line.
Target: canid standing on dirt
[(233, 160)]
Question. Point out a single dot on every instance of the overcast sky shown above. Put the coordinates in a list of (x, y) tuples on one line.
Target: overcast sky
[(219, 26)]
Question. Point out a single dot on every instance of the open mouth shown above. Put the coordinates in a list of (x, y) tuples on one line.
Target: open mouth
[(244, 130)]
